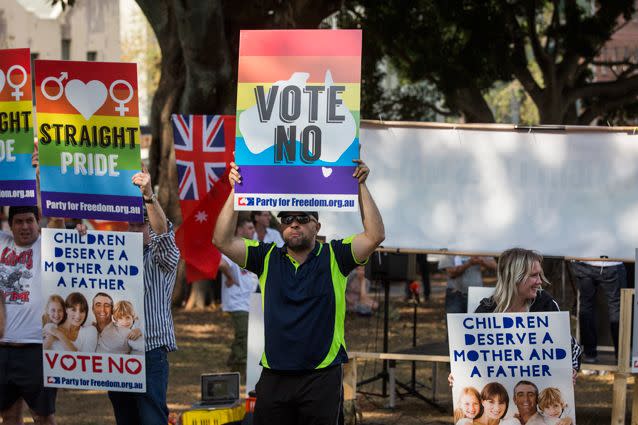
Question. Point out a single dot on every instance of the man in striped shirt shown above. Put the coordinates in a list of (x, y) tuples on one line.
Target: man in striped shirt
[(160, 266)]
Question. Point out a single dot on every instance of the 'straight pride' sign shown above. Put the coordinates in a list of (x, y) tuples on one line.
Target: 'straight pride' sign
[(17, 176), (88, 137)]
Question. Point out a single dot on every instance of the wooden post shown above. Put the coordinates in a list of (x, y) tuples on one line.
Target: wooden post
[(619, 396), (350, 379), (350, 391)]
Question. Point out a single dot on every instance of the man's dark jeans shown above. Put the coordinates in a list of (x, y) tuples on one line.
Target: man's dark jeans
[(145, 408), (589, 278)]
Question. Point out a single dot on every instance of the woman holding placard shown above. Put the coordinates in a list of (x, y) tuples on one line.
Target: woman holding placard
[(519, 289)]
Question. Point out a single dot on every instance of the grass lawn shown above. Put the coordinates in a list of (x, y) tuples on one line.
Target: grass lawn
[(204, 338)]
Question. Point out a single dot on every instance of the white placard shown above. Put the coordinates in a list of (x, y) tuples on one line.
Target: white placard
[(475, 295), (256, 342), (491, 354), (566, 193), (634, 344), (87, 271)]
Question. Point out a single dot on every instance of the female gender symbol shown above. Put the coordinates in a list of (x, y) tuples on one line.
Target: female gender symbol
[(17, 93), (58, 82), (121, 109)]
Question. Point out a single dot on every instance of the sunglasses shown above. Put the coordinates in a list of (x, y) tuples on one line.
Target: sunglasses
[(301, 219)]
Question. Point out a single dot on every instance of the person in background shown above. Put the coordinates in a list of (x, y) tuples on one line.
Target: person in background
[(263, 232), (357, 298), (160, 256), (519, 289), (591, 276), (237, 285), (21, 345), (462, 273)]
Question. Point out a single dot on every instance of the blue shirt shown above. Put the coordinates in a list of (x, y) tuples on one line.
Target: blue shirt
[(304, 304)]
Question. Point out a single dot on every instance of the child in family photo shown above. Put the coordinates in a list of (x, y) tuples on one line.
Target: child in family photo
[(114, 338), (54, 312), (552, 407), (469, 406)]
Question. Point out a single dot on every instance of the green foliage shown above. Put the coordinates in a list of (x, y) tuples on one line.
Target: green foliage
[(472, 51)]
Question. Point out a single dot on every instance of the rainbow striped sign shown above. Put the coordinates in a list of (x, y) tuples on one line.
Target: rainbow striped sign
[(298, 99), (89, 139), (17, 176)]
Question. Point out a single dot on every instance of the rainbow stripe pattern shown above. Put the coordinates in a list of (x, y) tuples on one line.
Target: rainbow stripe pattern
[(298, 103), (17, 176), (89, 139)]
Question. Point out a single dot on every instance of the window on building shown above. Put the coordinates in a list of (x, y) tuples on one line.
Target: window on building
[(66, 49), (91, 56)]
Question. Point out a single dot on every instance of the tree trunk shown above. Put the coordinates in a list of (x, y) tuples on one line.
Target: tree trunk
[(161, 17), (472, 104), (199, 42)]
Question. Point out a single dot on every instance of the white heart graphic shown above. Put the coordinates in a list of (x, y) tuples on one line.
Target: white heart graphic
[(86, 98), (326, 171), (2, 80)]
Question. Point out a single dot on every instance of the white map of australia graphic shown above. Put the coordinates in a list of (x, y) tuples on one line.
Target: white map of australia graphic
[(335, 137)]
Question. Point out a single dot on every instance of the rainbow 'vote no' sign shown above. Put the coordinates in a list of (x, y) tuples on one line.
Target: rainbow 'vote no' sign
[(298, 120), (88, 138)]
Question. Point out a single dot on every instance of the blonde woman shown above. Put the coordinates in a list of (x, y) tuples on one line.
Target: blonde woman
[(519, 289)]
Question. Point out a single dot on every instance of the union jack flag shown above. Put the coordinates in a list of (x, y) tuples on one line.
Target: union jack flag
[(200, 153)]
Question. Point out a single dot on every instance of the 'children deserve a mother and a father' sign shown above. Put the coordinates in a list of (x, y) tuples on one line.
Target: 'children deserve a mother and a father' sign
[(512, 368), (93, 315), (297, 133)]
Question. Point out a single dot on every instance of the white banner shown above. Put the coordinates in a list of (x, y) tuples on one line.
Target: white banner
[(255, 342), (93, 321), (511, 366), (634, 343), (568, 193)]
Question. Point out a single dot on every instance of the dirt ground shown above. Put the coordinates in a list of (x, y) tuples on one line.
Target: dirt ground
[(204, 338)]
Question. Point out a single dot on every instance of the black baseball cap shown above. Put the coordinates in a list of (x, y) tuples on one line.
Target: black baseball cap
[(315, 214)]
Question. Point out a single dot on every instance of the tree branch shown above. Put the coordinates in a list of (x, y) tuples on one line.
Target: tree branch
[(519, 61), (607, 89), (555, 21), (542, 58), (605, 105)]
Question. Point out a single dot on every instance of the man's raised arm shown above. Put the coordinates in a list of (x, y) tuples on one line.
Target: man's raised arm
[(224, 236), (373, 234)]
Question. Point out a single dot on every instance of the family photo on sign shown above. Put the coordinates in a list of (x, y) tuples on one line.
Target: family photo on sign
[(67, 325), (491, 406)]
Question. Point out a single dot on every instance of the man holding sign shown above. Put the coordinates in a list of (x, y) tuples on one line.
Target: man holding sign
[(303, 292), (21, 346), (161, 256)]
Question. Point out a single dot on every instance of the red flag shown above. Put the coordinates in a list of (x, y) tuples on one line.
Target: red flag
[(194, 236), (204, 146)]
